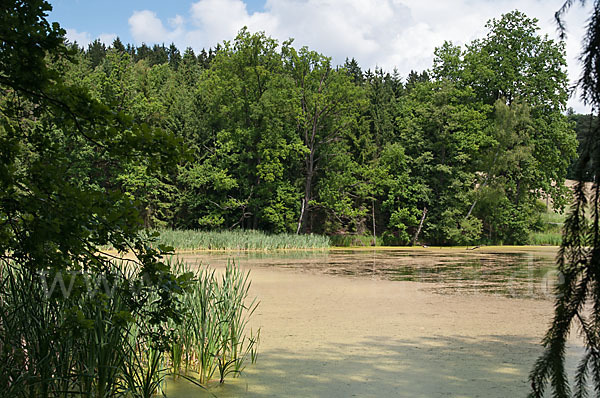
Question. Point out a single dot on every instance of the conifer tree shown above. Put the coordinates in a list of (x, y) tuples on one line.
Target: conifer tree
[(96, 52), (118, 45), (578, 294)]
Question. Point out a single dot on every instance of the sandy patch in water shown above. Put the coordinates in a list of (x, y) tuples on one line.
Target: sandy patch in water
[(332, 336)]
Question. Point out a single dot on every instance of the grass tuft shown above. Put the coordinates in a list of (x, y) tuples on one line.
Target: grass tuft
[(550, 232), (545, 238), (354, 240)]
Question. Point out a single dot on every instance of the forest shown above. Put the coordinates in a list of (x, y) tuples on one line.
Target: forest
[(277, 138)]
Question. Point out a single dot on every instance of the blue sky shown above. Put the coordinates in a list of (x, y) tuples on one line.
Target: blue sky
[(99, 17), (111, 16), (390, 34)]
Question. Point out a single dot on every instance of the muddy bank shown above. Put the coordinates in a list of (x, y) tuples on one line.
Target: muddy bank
[(335, 336)]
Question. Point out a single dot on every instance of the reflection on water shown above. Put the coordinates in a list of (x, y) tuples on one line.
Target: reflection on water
[(526, 274)]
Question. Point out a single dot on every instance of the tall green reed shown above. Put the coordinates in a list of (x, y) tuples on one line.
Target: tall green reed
[(213, 334), (58, 336), (239, 240), (73, 334), (144, 367)]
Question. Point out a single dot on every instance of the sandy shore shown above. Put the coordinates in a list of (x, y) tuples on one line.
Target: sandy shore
[(332, 336)]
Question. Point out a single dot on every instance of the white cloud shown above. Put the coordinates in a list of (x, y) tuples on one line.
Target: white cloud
[(365, 30), (218, 20), (107, 38), (85, 38), (82, 38), (384, 33), (146, 27), (176, 22)]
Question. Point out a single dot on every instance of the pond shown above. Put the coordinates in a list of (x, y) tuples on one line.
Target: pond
[(425, 322), (507, 271)]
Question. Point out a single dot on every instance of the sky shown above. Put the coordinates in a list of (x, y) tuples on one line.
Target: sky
[(389, 34)]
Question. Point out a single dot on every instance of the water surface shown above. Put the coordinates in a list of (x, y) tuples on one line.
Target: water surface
[(424, 323), (511, 272)]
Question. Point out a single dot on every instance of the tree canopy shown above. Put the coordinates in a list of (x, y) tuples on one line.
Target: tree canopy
[(281, 140), (277, 138)]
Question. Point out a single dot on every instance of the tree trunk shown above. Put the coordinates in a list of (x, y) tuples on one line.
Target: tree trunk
[(471, 209), (301, 217), (414, 241), (374, 235), (307, 190)]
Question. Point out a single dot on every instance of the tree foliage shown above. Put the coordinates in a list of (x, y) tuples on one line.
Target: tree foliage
[(279, 139), (64, 148)]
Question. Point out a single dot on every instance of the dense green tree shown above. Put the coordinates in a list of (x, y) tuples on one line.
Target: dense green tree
[(142, 52), (282, 140), (118, 46), (159, 55), (395, 192), (507, 165), (513, 65), (383, 91), (516, 64), (204, 59), (353, 69), (250, 104), (57, 210), (415, 77), (584, 124), (330, 106), (403, 196), (174, 56), (444, 130)]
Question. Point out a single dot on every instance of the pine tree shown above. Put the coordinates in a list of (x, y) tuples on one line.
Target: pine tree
[(203, 60), (188, 56), (354, 71), (96, 52), (174, 56), (159, 55), (143, 52), (118, 45), (578, 296)]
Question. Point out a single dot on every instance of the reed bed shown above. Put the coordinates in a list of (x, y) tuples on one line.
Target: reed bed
[(77, 337), (239, 240), (545, 238), (550, 232), (212, 338)]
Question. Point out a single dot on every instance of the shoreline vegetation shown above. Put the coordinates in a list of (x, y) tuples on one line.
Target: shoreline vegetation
[(210, 343), (251, 240), (239, 240), (548, 232)]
